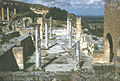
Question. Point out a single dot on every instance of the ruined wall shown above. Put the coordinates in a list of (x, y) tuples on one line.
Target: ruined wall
[(26, 42), (42, 76), (7, 59), (112, 26)]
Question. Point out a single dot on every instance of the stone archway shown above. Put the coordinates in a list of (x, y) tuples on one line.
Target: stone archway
[(108, 48)]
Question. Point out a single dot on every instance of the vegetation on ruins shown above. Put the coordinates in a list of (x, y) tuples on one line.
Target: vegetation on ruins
[(57, 14)]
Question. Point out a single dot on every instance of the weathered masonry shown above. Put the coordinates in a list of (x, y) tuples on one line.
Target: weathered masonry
[(112, 29), (112, 32)]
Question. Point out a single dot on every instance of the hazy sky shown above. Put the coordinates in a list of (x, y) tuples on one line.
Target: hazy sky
[(78, 7)]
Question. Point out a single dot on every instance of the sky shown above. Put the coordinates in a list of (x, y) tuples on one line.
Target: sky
[(77, 7)]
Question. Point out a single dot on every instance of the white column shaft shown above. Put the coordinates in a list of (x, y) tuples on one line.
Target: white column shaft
[(70, 34), (46, 36)]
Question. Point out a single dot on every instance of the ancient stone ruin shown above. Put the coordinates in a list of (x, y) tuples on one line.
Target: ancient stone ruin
[(43, 52)]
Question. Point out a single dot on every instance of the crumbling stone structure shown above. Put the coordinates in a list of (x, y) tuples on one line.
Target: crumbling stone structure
[(26, 42), (112, 31), (24, 48), (7, 59)]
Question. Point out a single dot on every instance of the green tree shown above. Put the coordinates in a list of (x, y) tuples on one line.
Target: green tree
[(57, 14)]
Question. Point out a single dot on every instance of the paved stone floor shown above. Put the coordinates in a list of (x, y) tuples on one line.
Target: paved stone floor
[(58, 57)]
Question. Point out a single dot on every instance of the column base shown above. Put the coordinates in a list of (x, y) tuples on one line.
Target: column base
[(38, 69)]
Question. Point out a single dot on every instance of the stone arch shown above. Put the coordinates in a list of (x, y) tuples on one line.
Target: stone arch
[(108, 48)]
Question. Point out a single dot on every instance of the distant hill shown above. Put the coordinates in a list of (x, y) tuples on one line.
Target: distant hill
[(24, 7)]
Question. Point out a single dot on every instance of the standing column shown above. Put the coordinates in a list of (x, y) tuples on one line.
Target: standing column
[(78, 56), (14, 11), (50, 27), (78, 28), (2, 13), (67, 28), (46, 36), (38, 47), (8, 15), (70, 35), (77, 50), (40, 21)]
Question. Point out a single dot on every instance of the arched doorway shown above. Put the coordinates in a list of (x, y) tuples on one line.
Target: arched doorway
[(108, 49)]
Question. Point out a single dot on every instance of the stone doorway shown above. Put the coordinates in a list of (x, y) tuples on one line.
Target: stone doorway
[(108, 49)]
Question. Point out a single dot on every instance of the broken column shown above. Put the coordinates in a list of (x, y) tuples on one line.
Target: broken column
[(8, 16), (46, 36), (70, 34), (2, 13), (78, 28), (18, 54), (40, 21), (38, 47), (50, 27)]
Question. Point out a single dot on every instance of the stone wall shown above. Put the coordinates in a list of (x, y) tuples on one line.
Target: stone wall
[(7, 59), (112, 31), (97, 57), (42, 76), (12, 34), (26, 42), (112, 25)]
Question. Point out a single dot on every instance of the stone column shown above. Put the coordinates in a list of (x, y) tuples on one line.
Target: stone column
[(78, 28), (77, 50), (38, 47), (24, 25), (8, 15), (67, 28), (2, 13), (40, 21), (50, 27), (46, 36), (18, 54), (14, 11), (70, 35)]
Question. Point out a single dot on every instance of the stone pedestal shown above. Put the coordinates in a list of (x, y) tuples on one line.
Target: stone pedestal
[(18, 54), (78, 28)]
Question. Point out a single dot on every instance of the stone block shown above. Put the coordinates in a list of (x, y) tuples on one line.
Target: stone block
[(18, 54)]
